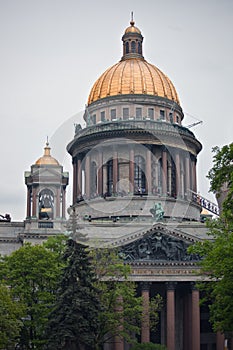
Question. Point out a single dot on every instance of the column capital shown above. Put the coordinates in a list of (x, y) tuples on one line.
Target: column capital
[(193, 286), (171, 285), (145, 286)]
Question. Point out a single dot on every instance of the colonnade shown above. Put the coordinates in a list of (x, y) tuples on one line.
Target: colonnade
[(189, 316), (166, 173)]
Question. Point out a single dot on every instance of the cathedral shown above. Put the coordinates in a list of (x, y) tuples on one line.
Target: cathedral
[(135, 189)]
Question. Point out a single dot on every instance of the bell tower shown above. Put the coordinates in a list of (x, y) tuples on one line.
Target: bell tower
[(46, 195)]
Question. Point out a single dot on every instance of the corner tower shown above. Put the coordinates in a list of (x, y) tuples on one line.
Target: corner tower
[(46, 196)]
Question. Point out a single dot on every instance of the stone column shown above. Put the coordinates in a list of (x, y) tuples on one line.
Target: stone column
[(194, 177), (169, 176), (195, 319), (100, 172), (87, 175), (29, 202), (63, 202), (178, 177), (145, 327), (79, 176), (115, 171), (131, 170), (58, 203), (74, 180), (119, 341), (164, 172), (171, 316), (187, 175), (34, 204), (220, 341), (148, 170), (187, 321)]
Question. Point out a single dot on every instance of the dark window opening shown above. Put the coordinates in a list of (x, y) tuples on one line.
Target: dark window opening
[(139, 48), (133, 47), (139, 175), (151, 113), (110, 177), (138, 113), (125, 113), (127, 47), (171, 117), (113, 114), (162, 114), (102, 116), (46, 204)]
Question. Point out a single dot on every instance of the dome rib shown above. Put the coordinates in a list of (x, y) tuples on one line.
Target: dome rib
[(121, 79), (142, 78), (112, 71), (148, 67)]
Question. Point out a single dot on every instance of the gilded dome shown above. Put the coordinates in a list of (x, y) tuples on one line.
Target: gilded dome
[(133, 74), (47, 159), (132, 29)]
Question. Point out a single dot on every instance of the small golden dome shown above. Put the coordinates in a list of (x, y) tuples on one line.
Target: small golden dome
[(133, 76), (132, 29), (47, 159)]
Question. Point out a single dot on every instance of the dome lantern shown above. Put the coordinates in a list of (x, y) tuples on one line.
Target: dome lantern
[(132, 42)]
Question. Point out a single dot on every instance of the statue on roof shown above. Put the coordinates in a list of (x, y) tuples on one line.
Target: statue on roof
[(157, 212)]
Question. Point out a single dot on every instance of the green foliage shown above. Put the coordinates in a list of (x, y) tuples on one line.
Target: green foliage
[(11, 312), (222, 174), (121, 313), (32, 273), (57, 245), (148, 346), (217, 253), (73, 322)]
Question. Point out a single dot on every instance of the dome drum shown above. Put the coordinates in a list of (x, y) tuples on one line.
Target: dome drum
[(128, 107)]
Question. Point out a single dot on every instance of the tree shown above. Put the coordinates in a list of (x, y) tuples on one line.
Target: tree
[(122, 312), (32, 273), (73, 323), (11, 313), (217, 253), (221, 175)]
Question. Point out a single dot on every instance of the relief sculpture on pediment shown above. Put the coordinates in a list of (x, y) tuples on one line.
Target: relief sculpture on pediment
[(157, 246)]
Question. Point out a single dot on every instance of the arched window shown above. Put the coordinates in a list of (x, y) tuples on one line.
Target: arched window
[(139, 48), (110, 177), (127, 47), (93, 178), (139, 175), (46, 204), (133, 46)]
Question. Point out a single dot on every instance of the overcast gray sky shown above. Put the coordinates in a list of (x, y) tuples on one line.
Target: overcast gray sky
[(52, 51)]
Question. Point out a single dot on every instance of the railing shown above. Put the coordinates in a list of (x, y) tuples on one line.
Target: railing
[(204, 202), (147, 125)]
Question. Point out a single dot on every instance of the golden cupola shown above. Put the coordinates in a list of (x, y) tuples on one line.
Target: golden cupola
[(47, 159), (133, 74)]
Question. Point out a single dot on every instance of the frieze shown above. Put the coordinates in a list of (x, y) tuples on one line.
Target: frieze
[(157, 246), (161, 272)]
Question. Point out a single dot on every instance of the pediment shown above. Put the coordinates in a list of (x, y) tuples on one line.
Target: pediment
[(158, 244), (47, 173)]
